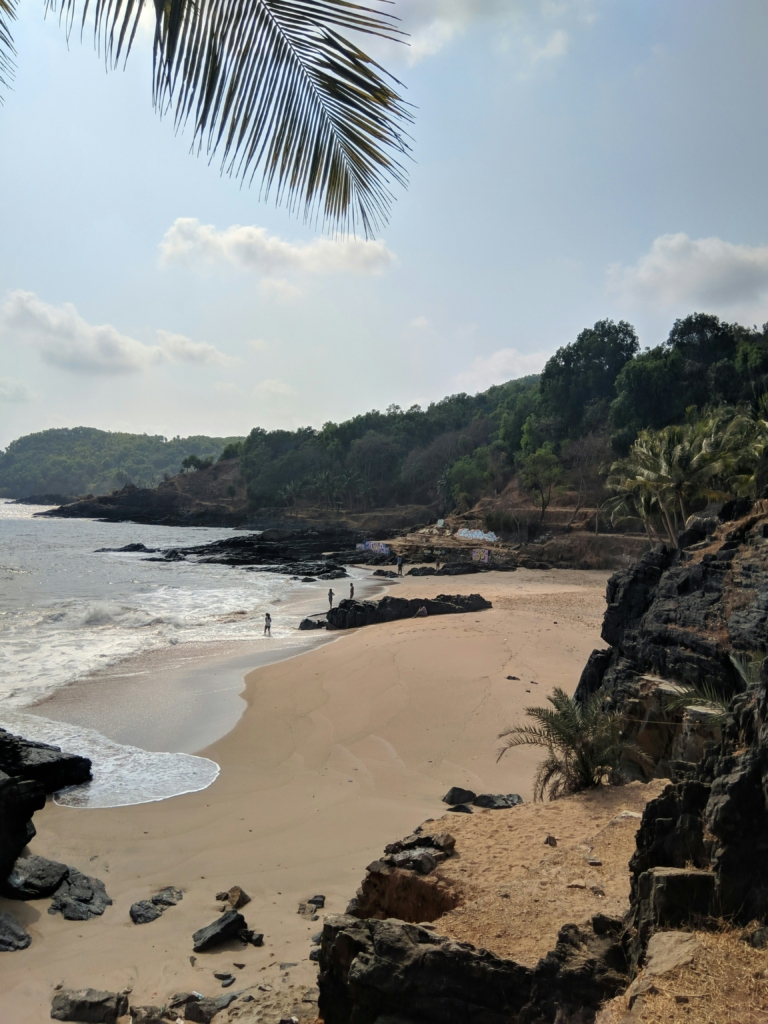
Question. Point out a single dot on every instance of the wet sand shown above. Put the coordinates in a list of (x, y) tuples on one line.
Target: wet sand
[(339, 751)]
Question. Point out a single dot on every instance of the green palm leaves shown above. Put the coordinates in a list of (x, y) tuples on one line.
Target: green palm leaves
[(583, 744), (708, 456), (7, 51), (273, 87)]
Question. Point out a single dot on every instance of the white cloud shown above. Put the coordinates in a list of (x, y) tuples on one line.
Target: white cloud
[(258, 345), (279, 289), (273, 389), (501, 366), (13, 390), (707, 273), (555, 46), (179, 348), (64, 339), (248, 247)]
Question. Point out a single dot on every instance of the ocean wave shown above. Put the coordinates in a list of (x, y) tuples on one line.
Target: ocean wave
[(122, 775)]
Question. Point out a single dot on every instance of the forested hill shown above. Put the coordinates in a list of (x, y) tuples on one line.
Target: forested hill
[(600, 404), (84, 460)]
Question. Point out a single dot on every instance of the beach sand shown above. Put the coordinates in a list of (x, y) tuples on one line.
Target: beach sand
[(340, 751)]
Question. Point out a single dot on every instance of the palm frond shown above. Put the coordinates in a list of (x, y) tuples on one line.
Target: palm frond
[(274, 87), (705, 696), (748, 666), (7, 49)]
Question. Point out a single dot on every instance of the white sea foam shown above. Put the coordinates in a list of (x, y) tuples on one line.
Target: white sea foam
[(122, 775), (68, 610)]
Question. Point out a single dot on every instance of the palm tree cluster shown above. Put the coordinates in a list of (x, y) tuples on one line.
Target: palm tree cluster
[(713, 455), (583, 742)]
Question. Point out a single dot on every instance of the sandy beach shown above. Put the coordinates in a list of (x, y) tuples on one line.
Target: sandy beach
[(339, 751)]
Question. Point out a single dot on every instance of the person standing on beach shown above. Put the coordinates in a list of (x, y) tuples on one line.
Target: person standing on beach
[(351, 591), (330, 598), (399, 565), (267, 625)]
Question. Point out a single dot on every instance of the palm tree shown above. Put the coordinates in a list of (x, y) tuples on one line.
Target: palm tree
[(668, 469), (274, 87), (583, 744)]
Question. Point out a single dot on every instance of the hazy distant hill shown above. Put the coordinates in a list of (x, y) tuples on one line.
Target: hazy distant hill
[(84, 460)]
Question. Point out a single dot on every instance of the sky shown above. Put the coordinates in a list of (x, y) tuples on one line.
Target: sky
[(572, 160)]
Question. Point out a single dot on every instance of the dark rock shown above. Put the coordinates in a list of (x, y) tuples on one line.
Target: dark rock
[(228, 926), (130, 548), (758, 938), (314, 954), (145, 911), (235, 897), (148, 1015), (221, 975), (204, 1010), (457, 795), (42, 763), (497, 802), (386, 573), (312, 624), (89, 1006), (227, 982), (550, 841), (252, 937), (461, 809), (351, 614), (376, 970), (317, 901), (168, 897), (12, 935), (592, 674), (19, 799), (34, 878), (80, 897)]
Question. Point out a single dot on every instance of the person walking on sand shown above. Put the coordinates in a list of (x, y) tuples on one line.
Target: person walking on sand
[(399, 565), (330, 598), (267, 625), (351, 591)]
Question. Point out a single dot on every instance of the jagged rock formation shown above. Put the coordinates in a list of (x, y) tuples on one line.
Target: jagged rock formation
[(350, 614), (375, 970)]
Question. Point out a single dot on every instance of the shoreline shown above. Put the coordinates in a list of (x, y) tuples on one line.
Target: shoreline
[(336, 755)]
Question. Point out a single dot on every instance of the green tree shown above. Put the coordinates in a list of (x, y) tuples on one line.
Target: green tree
[(276, 87), (583, 744), (539, 473), (582, 375)]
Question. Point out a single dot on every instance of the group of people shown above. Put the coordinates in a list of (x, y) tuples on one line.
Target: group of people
[(331, 595)]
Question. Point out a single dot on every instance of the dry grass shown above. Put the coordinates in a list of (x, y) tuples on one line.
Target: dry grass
[(727, 983)]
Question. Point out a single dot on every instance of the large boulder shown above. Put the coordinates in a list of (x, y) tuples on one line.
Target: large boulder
[(204, 1010), (34, 878), (350, 614), (42, 763), (89, 1006)]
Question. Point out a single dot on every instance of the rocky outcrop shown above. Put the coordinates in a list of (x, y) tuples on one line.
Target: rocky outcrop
[(375, 970), (42, 763), (351, 614), (19, 799)]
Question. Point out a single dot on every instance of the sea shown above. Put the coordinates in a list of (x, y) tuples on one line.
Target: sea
[(71, 612)]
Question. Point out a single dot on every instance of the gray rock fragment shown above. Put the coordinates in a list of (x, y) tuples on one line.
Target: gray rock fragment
[(89, 1006), (34, 878), (12, 935), (80, 897)]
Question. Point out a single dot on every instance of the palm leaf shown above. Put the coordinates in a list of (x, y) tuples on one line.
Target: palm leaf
[(704, 696), (7, 50), (274, 87)]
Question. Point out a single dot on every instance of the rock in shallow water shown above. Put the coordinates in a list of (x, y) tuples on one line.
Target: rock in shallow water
[(34, 878), (89, 1006), (42, 762), (12, 935), (80, 897)]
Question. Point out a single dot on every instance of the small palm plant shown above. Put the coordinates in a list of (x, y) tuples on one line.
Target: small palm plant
[(709, 698), (583, 743)]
